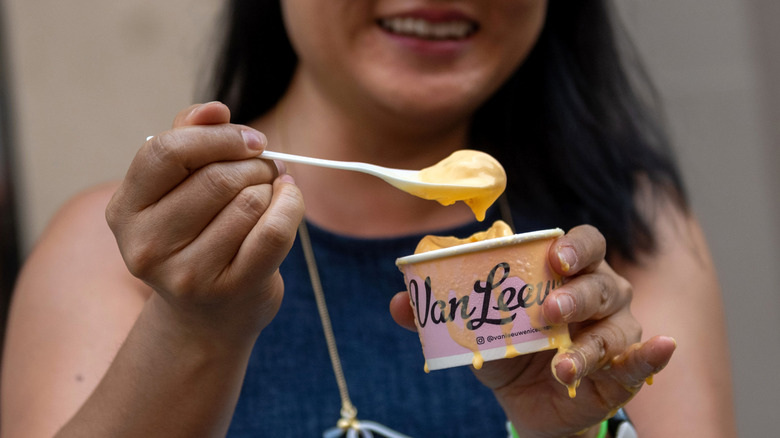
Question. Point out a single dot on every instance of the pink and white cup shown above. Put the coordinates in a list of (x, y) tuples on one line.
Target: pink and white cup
[(481, 301)]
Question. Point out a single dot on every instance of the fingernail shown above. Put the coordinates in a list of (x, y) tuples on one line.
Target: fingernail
[(567, 257), (286, 177), (667, 339), (254, 139), (565, 370), (565, 305), (280, 167)]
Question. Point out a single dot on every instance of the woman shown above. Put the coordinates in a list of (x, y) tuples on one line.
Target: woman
[(165, 327)]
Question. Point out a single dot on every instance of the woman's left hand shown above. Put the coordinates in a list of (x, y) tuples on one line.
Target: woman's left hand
[(605, 362)]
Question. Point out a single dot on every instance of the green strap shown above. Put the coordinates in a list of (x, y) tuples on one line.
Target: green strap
[(602, 430), (513, 431)]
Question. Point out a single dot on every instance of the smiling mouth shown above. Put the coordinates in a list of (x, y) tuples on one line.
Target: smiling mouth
[(424, 29)]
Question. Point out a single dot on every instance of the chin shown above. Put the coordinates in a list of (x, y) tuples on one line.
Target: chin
[(441, 107), (432, 95)]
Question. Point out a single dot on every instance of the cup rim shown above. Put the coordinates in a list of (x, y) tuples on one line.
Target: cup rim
[(482, 245)]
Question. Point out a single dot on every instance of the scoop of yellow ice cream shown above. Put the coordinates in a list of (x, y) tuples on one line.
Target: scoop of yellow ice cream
[(479, 178), (430, 243)]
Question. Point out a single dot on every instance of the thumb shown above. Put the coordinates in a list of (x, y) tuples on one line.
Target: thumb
[(210, 113), (401, 311)]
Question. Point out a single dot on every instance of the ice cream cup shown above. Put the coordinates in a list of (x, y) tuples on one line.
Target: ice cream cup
[(481, 301)]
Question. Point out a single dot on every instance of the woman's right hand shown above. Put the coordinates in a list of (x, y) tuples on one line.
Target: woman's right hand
[(206, 224)]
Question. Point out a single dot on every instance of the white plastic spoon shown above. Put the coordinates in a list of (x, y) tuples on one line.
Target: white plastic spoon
[(406, 180), (473, 177)]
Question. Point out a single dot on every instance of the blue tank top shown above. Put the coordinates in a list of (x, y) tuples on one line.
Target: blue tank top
[(290, 389)]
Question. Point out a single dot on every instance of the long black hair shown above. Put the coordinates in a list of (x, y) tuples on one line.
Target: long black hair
[(576, 127)]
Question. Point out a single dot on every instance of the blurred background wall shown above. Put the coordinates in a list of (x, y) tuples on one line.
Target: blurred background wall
[(91, 79)]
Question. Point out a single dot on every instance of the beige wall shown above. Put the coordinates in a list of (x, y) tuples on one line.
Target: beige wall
[(93, 78), (710, 60)]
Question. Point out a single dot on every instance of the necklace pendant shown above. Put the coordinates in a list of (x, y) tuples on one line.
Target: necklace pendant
[(354, 428)]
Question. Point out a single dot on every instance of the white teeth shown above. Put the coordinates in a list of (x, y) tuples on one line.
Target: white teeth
[(425, 29)]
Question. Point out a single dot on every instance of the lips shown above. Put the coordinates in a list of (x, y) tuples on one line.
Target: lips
[(429, 29)]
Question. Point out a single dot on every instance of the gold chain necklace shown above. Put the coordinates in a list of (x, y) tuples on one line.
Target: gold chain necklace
[(348, 425)]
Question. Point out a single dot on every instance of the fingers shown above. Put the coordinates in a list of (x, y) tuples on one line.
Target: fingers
[(588, 297), (593, 347), (211, 113), (169, 158), (402, 312), (205, 193), (581, 250), (272, 236), (594, 301), (247, 240), (208, 256), (641, 362), (619, 378), (623, 376)]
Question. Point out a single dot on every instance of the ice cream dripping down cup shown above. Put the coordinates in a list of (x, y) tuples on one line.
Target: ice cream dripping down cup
[(481, 301)]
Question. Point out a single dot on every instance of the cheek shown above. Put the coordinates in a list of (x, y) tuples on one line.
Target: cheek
[(323, 32), (517, 28), (522, 29), (301, 24)]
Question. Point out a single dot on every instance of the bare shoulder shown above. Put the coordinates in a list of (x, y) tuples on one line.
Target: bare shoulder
[(681, 253), (72, 307), (81, 220), (78, 245), (677, 293), (78, 248)]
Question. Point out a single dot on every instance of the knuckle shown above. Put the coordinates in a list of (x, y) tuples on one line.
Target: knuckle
[(617, 338), (182, 281), (141, 259), (594, 239), (614, 292), (633, 330), (165, 148), (112, 215), (599, 240), (254, 199), (220, 180), (276, 235), (605, 294), (293, 199), (626, 288), (596, 346), (118, 215)]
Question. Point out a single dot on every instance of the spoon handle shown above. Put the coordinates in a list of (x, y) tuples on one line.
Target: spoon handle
[(281, 156), (371, 169)]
